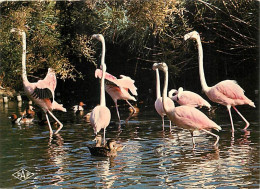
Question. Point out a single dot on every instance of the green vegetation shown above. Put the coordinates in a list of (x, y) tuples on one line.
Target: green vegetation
[(138, 33)]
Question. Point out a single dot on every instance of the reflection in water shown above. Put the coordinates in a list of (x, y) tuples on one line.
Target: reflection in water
[(152, 158), (57, 157)]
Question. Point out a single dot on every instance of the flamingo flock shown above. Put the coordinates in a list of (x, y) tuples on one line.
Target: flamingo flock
[(186, 115)]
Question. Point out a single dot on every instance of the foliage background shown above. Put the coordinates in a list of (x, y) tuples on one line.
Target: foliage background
[(137, 33)]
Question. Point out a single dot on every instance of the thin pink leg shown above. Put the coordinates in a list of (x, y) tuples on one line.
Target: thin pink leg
[(170, 125), (61, 125), (247, 123), (104, 136), (213, 135), (229, 111), (47, 118), (163, 123), (134, 111), (117, 111), (193, 140)]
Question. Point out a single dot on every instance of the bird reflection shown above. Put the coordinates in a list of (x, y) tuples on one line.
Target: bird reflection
[(56, 153)]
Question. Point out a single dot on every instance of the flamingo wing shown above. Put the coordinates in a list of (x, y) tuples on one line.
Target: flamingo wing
[(128, 83), (45, 88), (230, 89), (192, 118), (108, 77)]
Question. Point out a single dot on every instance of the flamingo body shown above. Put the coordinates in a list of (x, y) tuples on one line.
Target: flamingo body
[(100, 118), (192, 119), (227, 92), (118, 89), (185, 116), (189, 98), (41, 92)]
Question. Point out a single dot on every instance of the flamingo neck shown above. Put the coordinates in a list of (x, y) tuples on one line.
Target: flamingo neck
[(24, 74), (158, 92), (102, 84), (203, 82), (164, 95)]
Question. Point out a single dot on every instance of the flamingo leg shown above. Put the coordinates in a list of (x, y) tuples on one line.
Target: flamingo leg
[(247, 123), (134, 111), (104, 138), (229, 111), (193, 140), (47, 118), (213, 135), (170, 125), (117, 111), (61, 125), (163, 123)]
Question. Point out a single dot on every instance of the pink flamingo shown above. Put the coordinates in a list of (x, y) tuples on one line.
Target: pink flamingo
[(185, 116), (100, 115), (227, 92), (188, 98), (118, 89), (158, 102), (41, 92)]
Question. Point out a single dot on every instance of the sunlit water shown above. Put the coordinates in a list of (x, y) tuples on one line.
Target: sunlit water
[(152, 158)]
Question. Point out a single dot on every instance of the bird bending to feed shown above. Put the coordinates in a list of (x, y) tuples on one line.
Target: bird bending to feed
[(41, 92), (103, 151), (188, 98), (185, 116), (20, 120), (158, 102), (100, 115), (227, 92), (118, 89)]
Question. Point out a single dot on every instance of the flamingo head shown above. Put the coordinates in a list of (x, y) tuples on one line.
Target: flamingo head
[(16, 30), (161, 66), (99, 37), (192, 35), (180, 90)]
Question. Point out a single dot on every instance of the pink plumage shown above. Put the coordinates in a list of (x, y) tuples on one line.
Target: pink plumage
[(185, 116), (227, 92), (189, 98), (118, 88), (192, 119), (41, 92), (100, 118)]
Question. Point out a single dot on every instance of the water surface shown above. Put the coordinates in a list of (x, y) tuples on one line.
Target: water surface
[(152, 158)]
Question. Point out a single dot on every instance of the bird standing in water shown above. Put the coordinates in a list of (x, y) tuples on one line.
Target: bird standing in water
[(41, 92), (100, 115), (227, 92), (185, 116), (188, 98), (158, 104)]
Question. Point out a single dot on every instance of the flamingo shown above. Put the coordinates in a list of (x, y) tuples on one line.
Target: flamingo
[(185, 116), (41, 92), (158, 104), (118, 89), (227, 92), (100, 115), (188, 98)]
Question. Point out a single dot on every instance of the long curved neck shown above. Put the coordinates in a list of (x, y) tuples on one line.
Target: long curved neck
[(24, 74), (164, 95), (201, 69), (102, 85), (158, 91)]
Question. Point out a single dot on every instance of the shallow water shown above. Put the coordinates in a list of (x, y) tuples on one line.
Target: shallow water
[(152, 158)]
